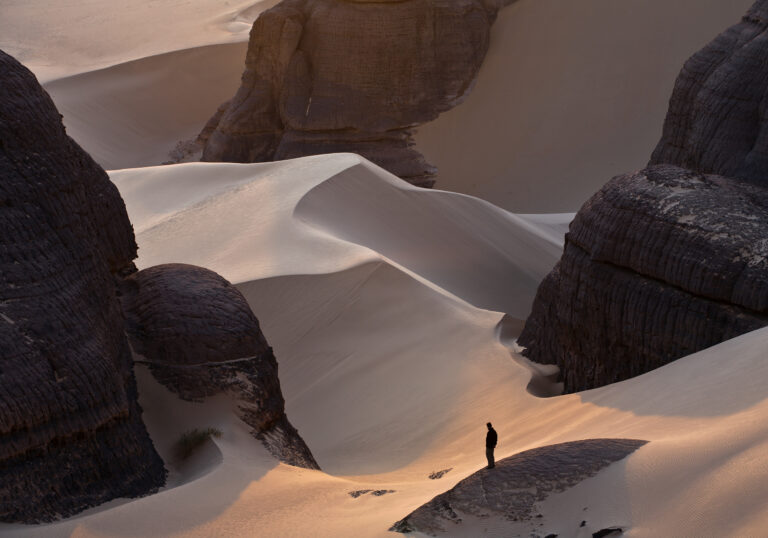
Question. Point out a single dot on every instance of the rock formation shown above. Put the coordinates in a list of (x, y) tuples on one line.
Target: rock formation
[(717, 121), (665, 262), (657, 265), (511, 490), (200, 338), (71, 434), (325, 76)]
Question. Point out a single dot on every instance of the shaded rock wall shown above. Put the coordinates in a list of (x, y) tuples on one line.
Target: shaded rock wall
[(657, 265), (665, 262), (326, 76), (718, 116), (200, 338), (512, 489), (71, 434)]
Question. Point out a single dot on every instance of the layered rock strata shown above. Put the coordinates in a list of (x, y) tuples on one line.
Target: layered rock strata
[(657, 265), (668, 261), (717, 121), (71, 434), (326, 76), (200, 338), (509, 492)]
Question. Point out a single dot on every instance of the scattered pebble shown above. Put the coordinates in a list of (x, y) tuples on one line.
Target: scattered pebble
[(377, 492), (440, 474), (605, 533)]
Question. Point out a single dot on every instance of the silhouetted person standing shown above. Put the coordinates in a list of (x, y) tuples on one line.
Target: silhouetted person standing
[(490, 443)]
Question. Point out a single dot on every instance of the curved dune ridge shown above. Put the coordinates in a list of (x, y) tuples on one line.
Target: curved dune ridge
[(390, 377), (328, 205)]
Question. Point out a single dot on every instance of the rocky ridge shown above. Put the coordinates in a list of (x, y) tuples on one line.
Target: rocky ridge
[(511, 490), (324, 76)]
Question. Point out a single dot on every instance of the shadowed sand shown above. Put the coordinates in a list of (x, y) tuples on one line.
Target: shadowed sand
[(570, 95)]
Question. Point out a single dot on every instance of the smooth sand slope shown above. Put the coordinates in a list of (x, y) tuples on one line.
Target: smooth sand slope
[(338, 211), (570, 95), (65, 37), (389, 377), (135, 113)]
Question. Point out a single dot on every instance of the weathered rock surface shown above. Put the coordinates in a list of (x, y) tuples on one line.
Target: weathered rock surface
[(71, 434), (717, 121), (657, 265), (326, 76), (200, 338), (665, 262), (512, 489)]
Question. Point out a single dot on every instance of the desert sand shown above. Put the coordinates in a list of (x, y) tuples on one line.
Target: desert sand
[(386, 303), (389, 377)]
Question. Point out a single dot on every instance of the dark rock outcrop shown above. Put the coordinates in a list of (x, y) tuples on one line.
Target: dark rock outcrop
[(200, 338), (657, 265), (512, 489), (608, 532), (717, 121), (327, 76), (71, 434), (665, 262)]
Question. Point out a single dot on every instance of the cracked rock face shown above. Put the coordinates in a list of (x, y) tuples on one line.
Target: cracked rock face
[(657, 265), (200, 338), (717, 121), (71, 434), (325, 76), (511, 490)]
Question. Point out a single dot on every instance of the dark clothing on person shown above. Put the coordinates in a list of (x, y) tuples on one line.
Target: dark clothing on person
[(491, 438), (490, 443)]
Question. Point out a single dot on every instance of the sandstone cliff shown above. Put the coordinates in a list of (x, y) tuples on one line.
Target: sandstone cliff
[(717, 120), (325, 76), (71, 434), (657, 265), (665, 262), (200, 338)]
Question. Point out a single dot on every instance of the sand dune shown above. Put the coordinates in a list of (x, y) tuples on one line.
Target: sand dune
[(489, 257), (59, 39), (388, 378), (135, 113), (328, 205)]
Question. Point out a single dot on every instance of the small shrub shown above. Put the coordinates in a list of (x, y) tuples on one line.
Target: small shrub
[(192, 440)]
